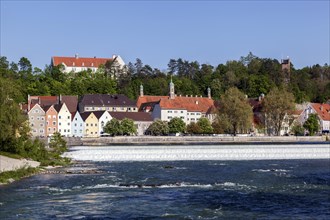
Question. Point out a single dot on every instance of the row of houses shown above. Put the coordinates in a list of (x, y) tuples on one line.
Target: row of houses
[(86, 117)]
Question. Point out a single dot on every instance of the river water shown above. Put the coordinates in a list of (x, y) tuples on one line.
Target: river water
[(183, 189)]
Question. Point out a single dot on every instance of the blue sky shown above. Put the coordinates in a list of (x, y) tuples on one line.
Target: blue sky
[(210, 32)]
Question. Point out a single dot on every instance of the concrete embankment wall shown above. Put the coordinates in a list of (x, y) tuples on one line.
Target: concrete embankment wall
[(192, 140)]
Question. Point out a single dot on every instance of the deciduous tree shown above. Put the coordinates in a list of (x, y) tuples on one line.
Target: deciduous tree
[(312, 124), (277, 104)]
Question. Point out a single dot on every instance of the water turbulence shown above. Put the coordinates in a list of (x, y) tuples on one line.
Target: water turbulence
[(177, 182), (206, 152)]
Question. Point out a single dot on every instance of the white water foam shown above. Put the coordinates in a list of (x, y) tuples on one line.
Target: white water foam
[(205, 152)]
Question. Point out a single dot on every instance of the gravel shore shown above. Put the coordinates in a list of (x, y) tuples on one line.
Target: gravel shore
[(8, 164)]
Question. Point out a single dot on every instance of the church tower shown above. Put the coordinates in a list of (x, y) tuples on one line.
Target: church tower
[(141, 90), (209, 92), (172, 94)]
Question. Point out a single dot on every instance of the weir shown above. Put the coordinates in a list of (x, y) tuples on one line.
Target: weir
[(200, 152)]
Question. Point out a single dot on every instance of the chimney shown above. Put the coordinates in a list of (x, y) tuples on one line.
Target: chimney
[(60, 99), (321, 108), (196, 96), (186, 95), (76, 56)]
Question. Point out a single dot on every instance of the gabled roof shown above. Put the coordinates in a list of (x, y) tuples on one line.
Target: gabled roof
[(98, 114), (148, 98), (71, 102), (106, 100), (47, 107), (58, 107), (80, 61), (43, 100), (85, 115), (323, 110), (135, 116), (191, 104), (36, 106)]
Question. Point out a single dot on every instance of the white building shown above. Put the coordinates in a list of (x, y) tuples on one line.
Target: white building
[(188, 108), (323, 113), (64, 120), (103, 118), (77, 125), (77, 64)]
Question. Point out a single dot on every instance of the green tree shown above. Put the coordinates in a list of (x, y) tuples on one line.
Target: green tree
[(312, 124), (193, 128), (57, 145), (113, 127), (205, 126), (298, 130), (128, 127), (235, 109), (277, 104), (176, 125), (158, 127)]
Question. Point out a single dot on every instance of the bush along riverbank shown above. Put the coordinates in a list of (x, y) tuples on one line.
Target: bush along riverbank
[(34, 150)]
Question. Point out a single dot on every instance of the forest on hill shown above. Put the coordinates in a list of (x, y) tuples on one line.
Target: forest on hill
[(250, 74)]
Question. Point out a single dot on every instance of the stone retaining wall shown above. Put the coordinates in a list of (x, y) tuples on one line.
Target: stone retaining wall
[(194, 140)]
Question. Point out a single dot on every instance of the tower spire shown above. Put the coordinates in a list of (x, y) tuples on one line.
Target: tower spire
[(172, 94)]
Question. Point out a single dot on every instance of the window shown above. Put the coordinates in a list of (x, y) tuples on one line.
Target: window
[(68, 130), (64, 130), (182, 117), (32, 118), (42, 118), (59, 130), (80, 124), (41, 125), (75, 131), (169, 117), (41, 131), (49, 117), (54, 122), (169, 111), (75, 119), (68, 117), (69, 123), (54, 116), (38, 118), (60, 123), (181, 111), (91, 124), (48, 129), (75, 124), (32, 125), (59, 117), (95, 124), (47, 123), (86, 124), (175, 111), (54, 129)]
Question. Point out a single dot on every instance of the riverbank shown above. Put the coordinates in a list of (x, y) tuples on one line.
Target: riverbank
[(173, 140), (10, 164)]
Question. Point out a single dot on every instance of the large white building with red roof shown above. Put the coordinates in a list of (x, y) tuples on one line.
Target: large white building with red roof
[(323, 113), (188, 108), (77, 64)]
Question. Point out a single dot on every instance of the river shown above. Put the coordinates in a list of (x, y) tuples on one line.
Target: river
[(189, 188)]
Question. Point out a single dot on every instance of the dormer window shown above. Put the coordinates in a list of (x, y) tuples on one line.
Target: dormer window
[(83, 64), (73, 64), (92, 64)]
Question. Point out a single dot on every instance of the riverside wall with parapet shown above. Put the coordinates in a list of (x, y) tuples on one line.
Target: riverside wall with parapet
[(161, 140)]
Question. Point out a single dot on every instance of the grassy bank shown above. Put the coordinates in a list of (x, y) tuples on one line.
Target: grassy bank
[(10, 176)]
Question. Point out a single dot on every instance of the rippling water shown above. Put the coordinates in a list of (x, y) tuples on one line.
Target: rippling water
[(266, 189)]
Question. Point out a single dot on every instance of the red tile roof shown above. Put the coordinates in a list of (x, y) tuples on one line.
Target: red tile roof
[(193, 104), (148, 98), (43, 100), (323, 110), (80, 61)]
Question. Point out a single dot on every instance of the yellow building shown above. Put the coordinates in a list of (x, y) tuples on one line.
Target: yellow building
[(91, 124)]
